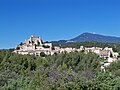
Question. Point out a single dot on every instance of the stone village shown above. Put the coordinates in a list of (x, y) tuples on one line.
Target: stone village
[(35, 46)]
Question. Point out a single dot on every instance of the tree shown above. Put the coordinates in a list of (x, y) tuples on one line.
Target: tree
[(42, 54)]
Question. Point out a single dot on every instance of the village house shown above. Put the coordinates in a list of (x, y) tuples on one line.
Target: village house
[(93, 49), (105, 54)]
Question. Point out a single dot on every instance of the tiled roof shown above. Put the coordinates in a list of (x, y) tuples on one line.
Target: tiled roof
[(104, 52)]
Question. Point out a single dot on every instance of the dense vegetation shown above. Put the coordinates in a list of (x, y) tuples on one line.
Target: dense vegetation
[(73, 71)]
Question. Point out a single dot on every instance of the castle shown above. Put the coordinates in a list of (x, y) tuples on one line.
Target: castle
[(34, 46)]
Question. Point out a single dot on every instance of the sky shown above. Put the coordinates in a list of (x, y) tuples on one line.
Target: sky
[(56, 19)]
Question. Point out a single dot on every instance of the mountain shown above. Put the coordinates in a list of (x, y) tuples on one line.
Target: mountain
[(95, 37), (88, 37)]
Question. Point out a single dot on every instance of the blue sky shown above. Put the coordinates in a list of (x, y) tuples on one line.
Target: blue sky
[(56, 19)]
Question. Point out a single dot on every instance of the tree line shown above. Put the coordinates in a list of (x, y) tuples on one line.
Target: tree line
[(73, 71)]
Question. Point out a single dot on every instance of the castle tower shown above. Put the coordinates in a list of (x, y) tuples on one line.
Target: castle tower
[(32, 35), (31, 38), (40, 40)]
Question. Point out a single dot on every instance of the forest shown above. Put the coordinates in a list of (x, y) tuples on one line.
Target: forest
[(73, 71)]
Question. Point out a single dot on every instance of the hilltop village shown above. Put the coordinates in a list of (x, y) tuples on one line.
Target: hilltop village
[(36, 46)]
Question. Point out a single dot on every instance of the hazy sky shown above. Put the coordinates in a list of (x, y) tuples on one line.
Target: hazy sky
[(56, 19)]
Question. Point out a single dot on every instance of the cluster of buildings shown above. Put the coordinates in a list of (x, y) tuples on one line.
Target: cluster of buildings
[(35, 46), (103, 53)]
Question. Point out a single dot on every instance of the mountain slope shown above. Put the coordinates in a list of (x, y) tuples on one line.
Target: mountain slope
[(88, 37), (95, 37)]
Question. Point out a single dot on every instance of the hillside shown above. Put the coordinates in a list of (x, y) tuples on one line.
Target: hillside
[(95, 37), (73, 71), (88, 37)]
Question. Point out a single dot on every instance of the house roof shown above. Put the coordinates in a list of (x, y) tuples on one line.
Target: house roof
[(104, 52)]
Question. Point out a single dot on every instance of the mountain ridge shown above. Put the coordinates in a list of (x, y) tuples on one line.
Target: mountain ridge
[(89, 37)]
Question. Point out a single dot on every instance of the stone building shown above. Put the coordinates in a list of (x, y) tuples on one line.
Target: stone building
[(34, 46)]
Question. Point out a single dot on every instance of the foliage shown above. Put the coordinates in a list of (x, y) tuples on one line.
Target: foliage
[(42, 54), (73, 71), (46, 46)]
